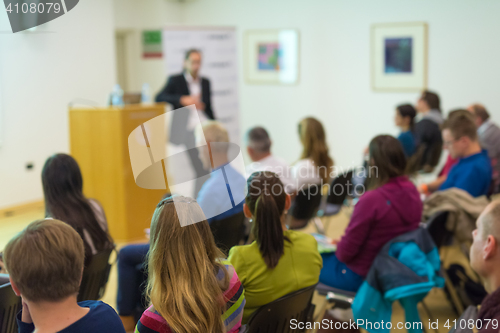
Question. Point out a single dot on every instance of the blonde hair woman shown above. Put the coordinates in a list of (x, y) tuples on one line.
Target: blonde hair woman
[(315, 164), (189, 287)]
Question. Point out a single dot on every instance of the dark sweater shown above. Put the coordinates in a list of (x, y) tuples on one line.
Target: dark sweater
[(490, 309), (429, 142), (380, 215)]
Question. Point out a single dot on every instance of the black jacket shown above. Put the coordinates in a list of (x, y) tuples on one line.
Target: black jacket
[(175, 88), (429, 142)]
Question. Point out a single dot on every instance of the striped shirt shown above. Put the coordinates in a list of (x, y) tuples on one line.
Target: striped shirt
[(151, 321)]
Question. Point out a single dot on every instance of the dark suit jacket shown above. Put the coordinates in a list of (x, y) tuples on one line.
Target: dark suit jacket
[(175, 88)]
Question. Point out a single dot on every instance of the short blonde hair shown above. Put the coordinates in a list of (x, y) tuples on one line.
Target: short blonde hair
[(214, 132), (45, 261)]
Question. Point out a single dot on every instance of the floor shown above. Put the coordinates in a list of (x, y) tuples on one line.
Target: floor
[(436, 301)]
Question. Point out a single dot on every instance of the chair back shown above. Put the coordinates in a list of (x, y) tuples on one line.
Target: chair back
[(229, 231), (275, 317), (306, 203), (436, 226), (339, 189), (10, 305), (95, 277)]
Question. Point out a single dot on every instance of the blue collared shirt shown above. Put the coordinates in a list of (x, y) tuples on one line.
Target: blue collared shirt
[(223, 193), (472, 174)]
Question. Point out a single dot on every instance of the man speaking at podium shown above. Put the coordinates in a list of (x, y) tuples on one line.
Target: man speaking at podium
[(182, 90)]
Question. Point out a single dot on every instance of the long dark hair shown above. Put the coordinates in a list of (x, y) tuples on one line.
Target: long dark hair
[(266, 199), (388, 159), (64, 200), (407, 110)]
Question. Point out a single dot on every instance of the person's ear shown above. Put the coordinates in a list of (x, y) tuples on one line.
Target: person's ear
[(288, 202), (246, 211), (490, 247), (14, 287)]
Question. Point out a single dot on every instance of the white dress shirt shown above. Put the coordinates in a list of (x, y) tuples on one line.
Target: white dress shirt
[(194, 87), (274, 164), (305, 173)]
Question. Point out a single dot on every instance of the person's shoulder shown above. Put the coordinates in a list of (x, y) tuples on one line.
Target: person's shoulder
[(302, 237), (370, 195), (178, 76), (97, 306), (279, 160), (244, 249), (152, 321), (103, 315)]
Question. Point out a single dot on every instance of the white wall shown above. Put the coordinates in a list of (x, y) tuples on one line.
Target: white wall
[(40, 73), (335, 64), (134, 16)]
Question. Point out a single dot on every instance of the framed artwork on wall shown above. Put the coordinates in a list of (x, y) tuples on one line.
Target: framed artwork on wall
[(271, 56), (399, 56)]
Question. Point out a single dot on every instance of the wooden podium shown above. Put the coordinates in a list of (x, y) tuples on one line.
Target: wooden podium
[(99, 143)]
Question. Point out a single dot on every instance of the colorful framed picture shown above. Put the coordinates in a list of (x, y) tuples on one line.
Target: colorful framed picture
[(271, 56), (399, 56)]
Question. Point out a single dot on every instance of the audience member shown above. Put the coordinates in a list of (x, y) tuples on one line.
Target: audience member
[(390, 208), (132, 277), (64, 200), (473, 171), (485, 260), (45, 262), (279, 261), (259, 150), (224, 187), (489, 138), (315, 165), (450, 162), (224, 179), (427, 132), (405, 116), (190, 288)]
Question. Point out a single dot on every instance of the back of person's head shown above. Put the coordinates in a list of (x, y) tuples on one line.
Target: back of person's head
[(266, 200), (183, 262), (189, 52), (485, 249), (387, 160), (45, 261), (214, 132), (480, 112), (258, 140), (407, 111), (432, 100), (313, 138), (64, 200), (461, 124)]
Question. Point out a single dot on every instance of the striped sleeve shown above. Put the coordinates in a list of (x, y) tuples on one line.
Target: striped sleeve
[(235, 302), (152, 322)]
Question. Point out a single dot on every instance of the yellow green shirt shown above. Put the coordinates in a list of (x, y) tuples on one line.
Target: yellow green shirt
[(298, 268)]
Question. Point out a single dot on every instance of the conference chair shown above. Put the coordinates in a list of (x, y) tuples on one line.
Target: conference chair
[(276, 316), (305, 207), (10, 305), (436, 226), (95, 277), (337, 193), (229, 231)]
